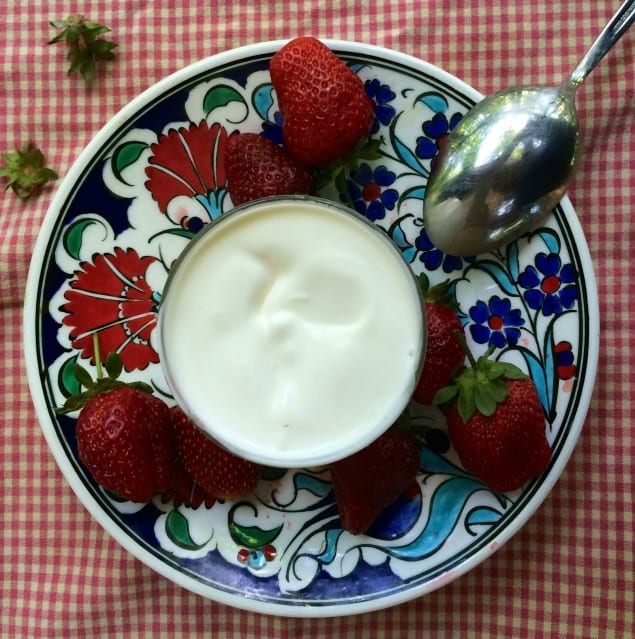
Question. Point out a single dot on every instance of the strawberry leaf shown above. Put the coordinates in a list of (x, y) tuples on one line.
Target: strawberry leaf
[(142, 386), (466, 403), (488, 395), (445, 394), (511, 371), (441, 293), (73, 403), (101, 384), (368, 149), (424, 283), (499, 390), (85, 47), (26, 171), (335, 172), (481, 386), (339, 180), (113, 365), (83, 376), (87, 70)]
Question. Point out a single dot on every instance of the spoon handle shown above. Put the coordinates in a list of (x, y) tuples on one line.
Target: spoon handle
[(611, 33)]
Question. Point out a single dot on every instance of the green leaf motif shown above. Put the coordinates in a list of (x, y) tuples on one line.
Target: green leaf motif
[(252, 536), (74, 234), (219, 96), (180, 232), (68, 383), (178, 531), (126, 155), (115, 496)]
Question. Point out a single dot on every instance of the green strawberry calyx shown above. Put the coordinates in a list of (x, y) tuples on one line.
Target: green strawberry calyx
[(26, 171), (102, 384), (440, 293), (336, 172), (479, 387), (86, 47)]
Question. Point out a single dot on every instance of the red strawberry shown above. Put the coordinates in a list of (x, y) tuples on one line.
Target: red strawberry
[(125, 440), (444, 353), (373, 478), (216, 470), (124, 436), (184, 490), (497, 426), (324, 106), (257, 167)]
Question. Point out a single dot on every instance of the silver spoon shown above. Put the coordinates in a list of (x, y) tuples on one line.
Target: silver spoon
[(507, 163)]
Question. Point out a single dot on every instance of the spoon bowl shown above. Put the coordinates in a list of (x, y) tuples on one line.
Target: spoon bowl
[(502, 170), (509, 161)]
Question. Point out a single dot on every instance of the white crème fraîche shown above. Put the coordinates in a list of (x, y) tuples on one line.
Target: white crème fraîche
[(292, 331)]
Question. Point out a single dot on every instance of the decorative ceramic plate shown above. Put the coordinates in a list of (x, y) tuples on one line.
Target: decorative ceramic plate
[(146, 184)]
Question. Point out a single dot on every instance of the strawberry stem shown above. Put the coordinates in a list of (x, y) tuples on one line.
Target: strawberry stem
[(103, 384), (98, 366), (460, 337)]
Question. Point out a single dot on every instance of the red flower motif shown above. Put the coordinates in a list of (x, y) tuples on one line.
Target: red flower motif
[(257, 557), (189, 162), (112, 298), (565, 367)]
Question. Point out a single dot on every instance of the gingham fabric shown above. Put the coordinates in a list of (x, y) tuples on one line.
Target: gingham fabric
[(569, 572)]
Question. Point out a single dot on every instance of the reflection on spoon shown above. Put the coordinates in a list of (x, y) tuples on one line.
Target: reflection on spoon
[(509, 161)]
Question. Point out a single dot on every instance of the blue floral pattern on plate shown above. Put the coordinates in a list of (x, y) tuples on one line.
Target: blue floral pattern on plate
[(149, 182)]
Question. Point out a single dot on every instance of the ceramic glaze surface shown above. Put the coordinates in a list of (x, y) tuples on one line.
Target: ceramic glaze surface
[(151, 179)]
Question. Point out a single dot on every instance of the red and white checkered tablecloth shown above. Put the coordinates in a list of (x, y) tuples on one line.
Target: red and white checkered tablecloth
[(569, 572)]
